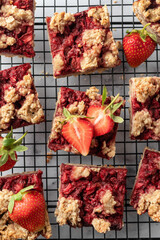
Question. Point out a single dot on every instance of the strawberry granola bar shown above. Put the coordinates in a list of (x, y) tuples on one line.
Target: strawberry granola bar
[(12, 184), (19, 103), (145, 108), (77, 103), (146, 192), (17, 28), (82, 43), (91, 196)]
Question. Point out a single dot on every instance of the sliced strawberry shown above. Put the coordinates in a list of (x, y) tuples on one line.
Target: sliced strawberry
[(101, 122), (79, 133), (27, 37)]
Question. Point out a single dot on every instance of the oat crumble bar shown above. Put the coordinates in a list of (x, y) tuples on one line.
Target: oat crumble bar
[(78, 102), (12, 184), (19, 103), (148, 11), (82, 43), (146, 192), (145, 108), (17, 28), (91, 196)]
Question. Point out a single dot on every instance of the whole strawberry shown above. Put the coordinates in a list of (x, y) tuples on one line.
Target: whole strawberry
[(27, 209), (8, 148), (138, 45)]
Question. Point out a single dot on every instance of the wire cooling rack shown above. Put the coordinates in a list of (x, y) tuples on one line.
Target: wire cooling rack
[(128, 152)]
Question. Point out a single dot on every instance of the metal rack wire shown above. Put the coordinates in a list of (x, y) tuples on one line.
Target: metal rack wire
[(128, 152)]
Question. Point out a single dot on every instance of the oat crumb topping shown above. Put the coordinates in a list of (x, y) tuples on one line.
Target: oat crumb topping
[(10, 95), (80, 172), (6, 114), (101, 15), (68, 209), (6, 41), (91, 37), (108, 202), (77, 108), (24, 86), (92, 93), (101, 225), (109, 150)]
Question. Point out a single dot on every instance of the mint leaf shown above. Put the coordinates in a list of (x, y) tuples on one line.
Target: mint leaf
[(20, 148), (104, 95), (3, 159), (117, 119), (8, 141), (66, 113), (11, 204)]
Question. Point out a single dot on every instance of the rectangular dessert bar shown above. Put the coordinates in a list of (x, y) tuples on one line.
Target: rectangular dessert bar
[(17, 28), (91, 196), (12, 184), (78, 102), (19, 103), (145, 108), (148, 11), (146, 192), (82, 43)]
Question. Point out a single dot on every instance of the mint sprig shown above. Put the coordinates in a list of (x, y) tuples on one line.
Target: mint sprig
[(18, 197), (112, 106), (10, 146)]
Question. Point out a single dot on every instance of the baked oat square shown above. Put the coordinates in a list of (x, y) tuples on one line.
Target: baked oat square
[(145, 108), (148, 11), (82, 43), (17, 28), (91, 196), (19, 103), (77, 103), (146, 192), (12, 184)]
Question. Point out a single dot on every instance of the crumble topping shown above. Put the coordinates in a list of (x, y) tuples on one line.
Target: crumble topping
[(24, 86), (92, 93), (58, 63), (108, 202), (109, 59), (152, 14), (101, 15), (80, 172), (12, 17), (150, 202), (156, 129), (77, 108), (94, 143), (141, 120), (146, 87), (90, 58), (31, 110), (68, 210), (10, 95), (6, 41), (5, 197), (60, 20), (6, 114), (57, 126), (109, 150), (101, 225), (91, 37)]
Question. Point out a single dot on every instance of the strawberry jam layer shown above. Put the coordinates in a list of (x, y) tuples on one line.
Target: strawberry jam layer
[(68, 97), (152, 104), (69, 44), (89, 191), (23, 34), (148, 176), (18, 181)]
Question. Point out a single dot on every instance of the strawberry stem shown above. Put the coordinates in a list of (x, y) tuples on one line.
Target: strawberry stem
[(70, 116), (111, 103)]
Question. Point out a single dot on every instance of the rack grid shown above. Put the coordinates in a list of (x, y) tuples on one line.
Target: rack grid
[(128, 152)]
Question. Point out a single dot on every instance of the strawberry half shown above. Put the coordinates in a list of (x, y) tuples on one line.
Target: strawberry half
[(138, 45), (102, 117), (78, 131), (27, 208), (8, 148)]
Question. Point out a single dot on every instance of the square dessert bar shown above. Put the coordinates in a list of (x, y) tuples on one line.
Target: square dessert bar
[(146, 192), (148, 11), (78, 102), (19, 103), (145, 108), (81, 43), (17, 28), (91, 196), (12, 184)]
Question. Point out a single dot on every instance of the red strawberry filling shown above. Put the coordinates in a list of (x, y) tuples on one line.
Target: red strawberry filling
[(24, 33), (17, 182), (148, 176), (89, 191)]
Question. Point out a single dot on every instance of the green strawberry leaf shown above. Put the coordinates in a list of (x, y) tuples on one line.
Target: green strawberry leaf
[(104, 95), (19, 141), (20, 148), (12, 155), (3, 159), (8, 141), (27, 188), (116, 106), (11, 204), (117, 119), (10, 134), (66, 113)]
